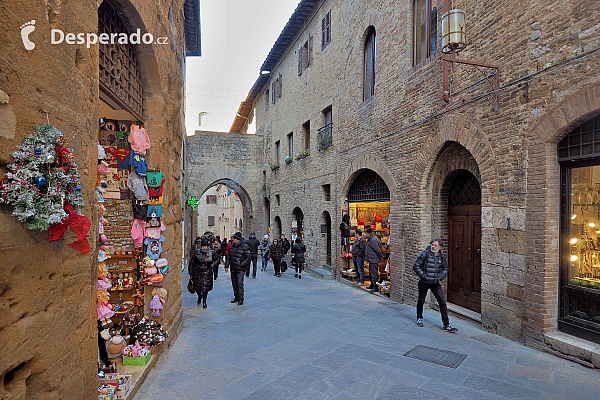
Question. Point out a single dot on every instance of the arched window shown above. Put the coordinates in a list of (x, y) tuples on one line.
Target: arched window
[(203, 118), (370, 52)]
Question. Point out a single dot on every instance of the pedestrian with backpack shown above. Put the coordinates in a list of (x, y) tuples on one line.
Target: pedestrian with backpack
[(431, 267), (298, 260)]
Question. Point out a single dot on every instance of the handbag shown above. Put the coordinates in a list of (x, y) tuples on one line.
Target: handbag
[(283, 266), (190, 287)]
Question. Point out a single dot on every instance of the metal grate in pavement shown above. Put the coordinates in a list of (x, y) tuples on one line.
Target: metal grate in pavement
[(436, 356)]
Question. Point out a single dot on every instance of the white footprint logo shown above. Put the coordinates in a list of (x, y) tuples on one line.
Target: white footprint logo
[(26, 29)]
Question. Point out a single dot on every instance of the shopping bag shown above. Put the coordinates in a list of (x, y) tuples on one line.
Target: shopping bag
[(283, 266)]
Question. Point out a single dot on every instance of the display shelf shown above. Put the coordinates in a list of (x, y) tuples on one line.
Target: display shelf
[(121, 269)]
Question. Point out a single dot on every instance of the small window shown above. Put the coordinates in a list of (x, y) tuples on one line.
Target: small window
[(291, 144), (277, 152), (370, 52), (276, 86), (211, 199), (203, 118), (326, 30), (305, 55), (211, 220), (267, 97), (327, 192), (278, 199), (424, 30), (306, 128)]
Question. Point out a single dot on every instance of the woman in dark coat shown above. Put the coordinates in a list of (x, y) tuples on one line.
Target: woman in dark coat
[(201, 269), (298, 260), (276, 254)]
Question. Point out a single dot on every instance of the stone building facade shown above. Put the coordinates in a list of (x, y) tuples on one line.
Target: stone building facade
[(220, 211), (48, 290), (430, 152)]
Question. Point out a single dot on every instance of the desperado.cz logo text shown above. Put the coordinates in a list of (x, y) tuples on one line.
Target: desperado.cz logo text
[(57, 36)]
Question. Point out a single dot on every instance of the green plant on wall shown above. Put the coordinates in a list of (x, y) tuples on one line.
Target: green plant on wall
[(303, 154), (288, 159), (274, 166)]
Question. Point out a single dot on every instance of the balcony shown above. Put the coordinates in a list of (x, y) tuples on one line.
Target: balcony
[(324, 136)]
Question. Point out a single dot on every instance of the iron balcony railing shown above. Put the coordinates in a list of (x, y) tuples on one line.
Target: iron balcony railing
[(324, 135)]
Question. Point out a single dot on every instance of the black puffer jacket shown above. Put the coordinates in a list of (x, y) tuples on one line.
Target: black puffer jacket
[(298, 250), (253, 244), (239, 257), (430, 268), (200, 269)]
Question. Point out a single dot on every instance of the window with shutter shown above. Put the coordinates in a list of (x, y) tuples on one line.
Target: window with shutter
[(280, 79), (424, 30), (300, 61), (309, 51), (326, 30), (273, 91), (211, 220)]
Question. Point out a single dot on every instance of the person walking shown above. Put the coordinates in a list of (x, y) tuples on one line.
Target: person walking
[(239, 262), (227, 248), (200, 269), (431, 267), (264, 252), (298, 260), (253, 244), (276, 254), (216, 246), (286, 245), (223, 254), (373, 256), (358, 256)]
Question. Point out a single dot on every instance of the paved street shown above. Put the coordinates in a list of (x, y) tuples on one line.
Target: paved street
[(317, 339)]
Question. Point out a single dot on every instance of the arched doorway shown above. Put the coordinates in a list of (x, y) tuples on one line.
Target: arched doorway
[(464, 240), (277, 231), (297, 224), (326, 233), (368, 205)]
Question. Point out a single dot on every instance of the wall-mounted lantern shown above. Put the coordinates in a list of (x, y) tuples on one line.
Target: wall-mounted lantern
[(454, 36)]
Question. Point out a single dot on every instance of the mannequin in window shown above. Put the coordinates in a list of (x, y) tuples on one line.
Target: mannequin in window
[(345, 233)]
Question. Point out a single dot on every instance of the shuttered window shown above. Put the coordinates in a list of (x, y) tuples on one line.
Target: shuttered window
[(211, 220), (305, 55), (326, 30)]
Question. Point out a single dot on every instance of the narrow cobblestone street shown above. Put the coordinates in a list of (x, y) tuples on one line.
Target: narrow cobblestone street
[(318, 339)]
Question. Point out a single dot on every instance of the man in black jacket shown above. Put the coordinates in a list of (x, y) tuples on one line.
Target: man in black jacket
[(432, 268), (253, 243), (373, 255), (286, 247), (239, 262)]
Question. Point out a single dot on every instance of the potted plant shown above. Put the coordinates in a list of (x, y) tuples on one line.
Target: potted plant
[(288, 159), (274, 166), (303, 154)]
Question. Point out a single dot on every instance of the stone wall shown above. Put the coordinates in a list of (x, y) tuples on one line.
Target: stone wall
[(234, 160), (47, 290), (546, 52)]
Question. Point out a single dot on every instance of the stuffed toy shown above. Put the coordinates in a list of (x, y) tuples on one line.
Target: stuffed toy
[(104, 308), (115, 345), (138, 296), (120, 280), (158, 299)]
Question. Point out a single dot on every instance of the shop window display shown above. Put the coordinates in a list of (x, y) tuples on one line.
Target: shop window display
[(579, 155)]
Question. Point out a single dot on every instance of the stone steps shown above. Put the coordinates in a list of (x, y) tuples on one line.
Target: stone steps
[(321, 273)]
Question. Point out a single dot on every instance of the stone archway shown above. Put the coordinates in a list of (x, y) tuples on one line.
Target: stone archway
[(543, 209), (244, 223)]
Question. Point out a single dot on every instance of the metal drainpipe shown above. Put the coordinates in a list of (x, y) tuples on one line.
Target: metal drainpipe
[(446, 66)]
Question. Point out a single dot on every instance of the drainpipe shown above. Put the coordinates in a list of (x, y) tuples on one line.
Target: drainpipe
[(446, 67)]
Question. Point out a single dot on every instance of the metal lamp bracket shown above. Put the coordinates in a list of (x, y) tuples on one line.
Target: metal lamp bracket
[(493, 79)]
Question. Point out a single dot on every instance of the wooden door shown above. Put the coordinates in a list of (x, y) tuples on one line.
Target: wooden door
[(464, 242), (464, 256)]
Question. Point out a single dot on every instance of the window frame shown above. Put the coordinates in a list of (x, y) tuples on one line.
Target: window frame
[(431, 31), (326, 30), (369, 53), (278, 152), (209, 220)]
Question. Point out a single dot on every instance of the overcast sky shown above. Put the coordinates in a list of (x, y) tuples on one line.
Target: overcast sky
[(236, 38)]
